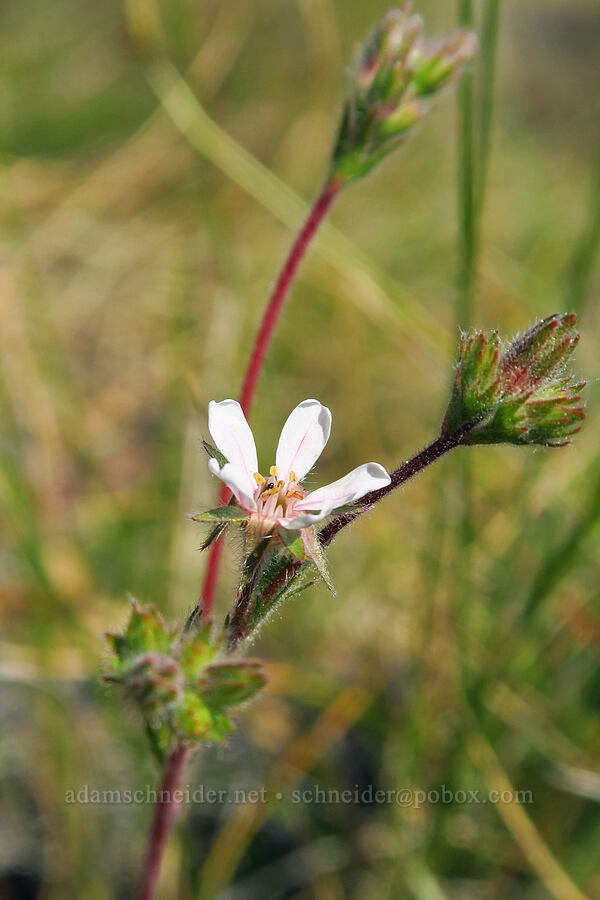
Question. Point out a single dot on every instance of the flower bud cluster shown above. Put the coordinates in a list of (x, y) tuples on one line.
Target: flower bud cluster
[(522, 393), (178, 680), (396, 75)]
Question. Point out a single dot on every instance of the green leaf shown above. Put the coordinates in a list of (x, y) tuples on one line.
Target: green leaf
[(221, 514), (314, 550), (215, 454)]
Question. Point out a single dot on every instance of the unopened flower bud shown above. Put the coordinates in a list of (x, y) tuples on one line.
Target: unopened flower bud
[(396, 71), (154, 680), (437, 63), (522, 393)]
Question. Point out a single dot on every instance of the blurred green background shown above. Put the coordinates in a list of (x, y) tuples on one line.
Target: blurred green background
[(153, 161)]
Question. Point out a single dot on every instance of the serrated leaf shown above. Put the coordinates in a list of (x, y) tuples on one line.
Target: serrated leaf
[(221, 514), (314, 550)]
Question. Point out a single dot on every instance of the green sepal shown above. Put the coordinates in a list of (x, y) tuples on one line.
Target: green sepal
[(220, 726), (216, 532), (221, 514), (159, 737), (292, 589), (254, 558), (215, 454), (231, 683), (314, 550), (196, 651), (293, 542), (193, 719)]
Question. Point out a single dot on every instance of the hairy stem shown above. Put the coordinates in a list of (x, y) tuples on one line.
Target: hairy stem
[(399, 476), (259, 350), (164, 815)]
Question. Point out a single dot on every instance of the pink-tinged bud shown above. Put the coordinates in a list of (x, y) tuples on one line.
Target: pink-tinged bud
[(436, 63), (522, 393), (155, 681), (397, 70)]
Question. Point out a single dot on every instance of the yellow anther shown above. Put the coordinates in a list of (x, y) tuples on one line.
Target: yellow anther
[(273, 471), (297, 494), (293, 477), (272, 490), (259, 479)]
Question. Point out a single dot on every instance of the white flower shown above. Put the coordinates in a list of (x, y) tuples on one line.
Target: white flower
[(279, 500)]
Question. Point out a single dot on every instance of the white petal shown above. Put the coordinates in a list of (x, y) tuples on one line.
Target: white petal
[(368, 477), (237, 482), (233, 437), (303, 438), (304, 520)]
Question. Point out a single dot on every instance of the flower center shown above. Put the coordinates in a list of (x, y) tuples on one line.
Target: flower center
[(275, 498)]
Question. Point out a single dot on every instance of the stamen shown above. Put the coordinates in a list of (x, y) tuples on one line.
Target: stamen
[(298, 495), (273, 471), (259, 479), (272, 490), (292, 477)]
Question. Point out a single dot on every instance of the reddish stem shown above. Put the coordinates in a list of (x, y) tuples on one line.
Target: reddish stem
[(271, 314), (165, 810), (259, 350)]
